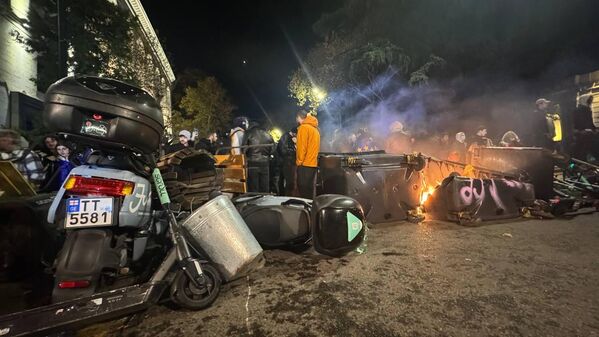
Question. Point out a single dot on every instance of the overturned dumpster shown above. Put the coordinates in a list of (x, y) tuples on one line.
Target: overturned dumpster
[(531, 164), (395, 187), (468, 200), (387, 186)]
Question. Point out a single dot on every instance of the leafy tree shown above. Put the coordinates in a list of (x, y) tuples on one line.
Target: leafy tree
[(98, 38), (521, 38), (421, 75), (307, 94), (359, 50), (188, 78), (205, 106)]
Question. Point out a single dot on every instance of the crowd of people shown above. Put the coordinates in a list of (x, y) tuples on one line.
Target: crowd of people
[(45, 166), (443, 145), (544, 131), (288, 165)]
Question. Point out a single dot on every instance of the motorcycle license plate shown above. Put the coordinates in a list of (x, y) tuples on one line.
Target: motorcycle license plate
[(94, 128), (89, 212)]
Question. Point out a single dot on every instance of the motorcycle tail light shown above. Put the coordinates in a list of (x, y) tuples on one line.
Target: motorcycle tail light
[(73, 284), (98, 186)]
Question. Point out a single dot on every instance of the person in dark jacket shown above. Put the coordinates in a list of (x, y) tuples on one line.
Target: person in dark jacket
[(258, 156), (47, 152), (184, 142), (480, 138), (582, 117), (540, 130), (286, 156), (209, 143), (586, 137)]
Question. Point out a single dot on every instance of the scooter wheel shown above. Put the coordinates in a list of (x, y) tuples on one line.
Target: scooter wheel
[(187, 295)]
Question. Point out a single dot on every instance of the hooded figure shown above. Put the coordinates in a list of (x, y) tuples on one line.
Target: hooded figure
[(308, 147), (240, 124)]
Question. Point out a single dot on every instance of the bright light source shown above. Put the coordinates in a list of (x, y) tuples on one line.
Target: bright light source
[(319, 93), (276, 134)]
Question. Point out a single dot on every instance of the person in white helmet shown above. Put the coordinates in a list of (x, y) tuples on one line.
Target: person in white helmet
[(398, 141)]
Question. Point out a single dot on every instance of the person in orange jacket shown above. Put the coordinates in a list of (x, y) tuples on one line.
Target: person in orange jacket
[(306, 158)]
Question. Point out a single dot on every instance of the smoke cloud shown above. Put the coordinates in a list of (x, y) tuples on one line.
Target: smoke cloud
[(448, 106)]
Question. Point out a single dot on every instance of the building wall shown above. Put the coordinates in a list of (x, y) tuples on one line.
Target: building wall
[(17, 66), (155, 55)]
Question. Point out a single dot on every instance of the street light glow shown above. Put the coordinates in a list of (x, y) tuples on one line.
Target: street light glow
[(319, 93), (276, 134)]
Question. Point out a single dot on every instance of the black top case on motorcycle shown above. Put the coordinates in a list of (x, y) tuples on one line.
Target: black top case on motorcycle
[(106, 111)]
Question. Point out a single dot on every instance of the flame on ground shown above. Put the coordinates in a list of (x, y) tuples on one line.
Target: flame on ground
[(426, 192)]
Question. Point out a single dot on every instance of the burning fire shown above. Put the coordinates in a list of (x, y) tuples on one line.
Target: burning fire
[(426, 192)]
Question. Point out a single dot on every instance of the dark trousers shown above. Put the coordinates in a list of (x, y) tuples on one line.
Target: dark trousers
[(258, 176), (288, 178), (275, 174), (306, 180)]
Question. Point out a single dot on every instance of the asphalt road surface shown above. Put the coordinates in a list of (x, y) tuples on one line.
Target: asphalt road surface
[(525, 278)]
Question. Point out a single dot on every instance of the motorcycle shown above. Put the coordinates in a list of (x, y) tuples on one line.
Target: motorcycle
[(125, 243), (116, 233)]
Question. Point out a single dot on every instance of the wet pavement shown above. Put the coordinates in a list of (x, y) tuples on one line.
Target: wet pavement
[(526, 278)]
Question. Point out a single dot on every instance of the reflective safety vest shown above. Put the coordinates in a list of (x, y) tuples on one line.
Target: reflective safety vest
[(554, 126)]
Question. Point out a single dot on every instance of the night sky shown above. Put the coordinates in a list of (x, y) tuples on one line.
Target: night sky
[(215, 36), (545, 43)]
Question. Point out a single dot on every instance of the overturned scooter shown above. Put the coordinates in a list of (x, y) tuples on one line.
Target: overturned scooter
[(194, 284), (118, 255)]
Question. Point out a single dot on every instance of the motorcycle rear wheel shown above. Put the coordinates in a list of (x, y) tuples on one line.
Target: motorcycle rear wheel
[(186, 295)]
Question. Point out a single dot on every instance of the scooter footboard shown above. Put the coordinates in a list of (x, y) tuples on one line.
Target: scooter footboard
[(81, 312)]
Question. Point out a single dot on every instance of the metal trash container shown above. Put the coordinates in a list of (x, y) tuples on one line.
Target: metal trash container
[(218, 230)]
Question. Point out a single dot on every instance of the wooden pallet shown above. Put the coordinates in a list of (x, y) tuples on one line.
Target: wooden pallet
[(234, 172)]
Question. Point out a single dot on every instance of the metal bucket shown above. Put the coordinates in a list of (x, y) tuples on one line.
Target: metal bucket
[(218, 230)]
